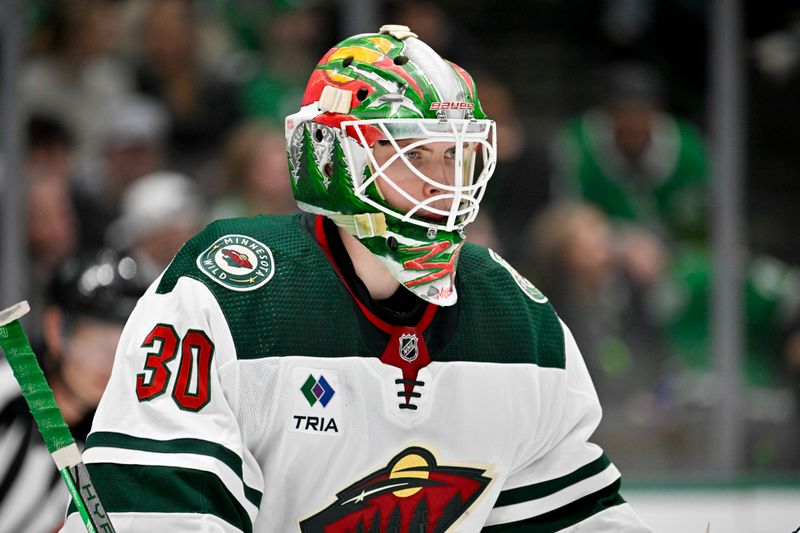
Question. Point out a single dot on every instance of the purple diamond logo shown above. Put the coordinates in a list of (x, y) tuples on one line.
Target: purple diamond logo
[(317, 390)]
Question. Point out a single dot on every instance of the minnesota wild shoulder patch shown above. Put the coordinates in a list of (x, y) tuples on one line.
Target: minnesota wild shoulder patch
[(237, 262), (527, 287)]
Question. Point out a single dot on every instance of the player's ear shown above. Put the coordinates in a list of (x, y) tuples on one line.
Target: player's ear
[(53, 331)]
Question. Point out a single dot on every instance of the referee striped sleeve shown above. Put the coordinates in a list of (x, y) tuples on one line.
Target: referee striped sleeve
[(140, 475), (558, 503)]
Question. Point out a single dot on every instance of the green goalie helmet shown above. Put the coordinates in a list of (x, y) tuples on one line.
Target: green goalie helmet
[(391, 143)]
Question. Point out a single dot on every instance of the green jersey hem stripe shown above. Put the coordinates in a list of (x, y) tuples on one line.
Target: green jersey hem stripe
[(160, 489), (546, 488), (565, 516), (108, 439)]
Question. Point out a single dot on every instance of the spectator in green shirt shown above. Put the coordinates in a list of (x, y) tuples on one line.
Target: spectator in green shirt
[(636, 162)]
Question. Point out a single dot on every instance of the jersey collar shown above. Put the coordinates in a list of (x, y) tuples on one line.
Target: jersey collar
[(402, 309)]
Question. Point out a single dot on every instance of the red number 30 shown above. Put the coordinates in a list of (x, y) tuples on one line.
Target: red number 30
[(190, 394)]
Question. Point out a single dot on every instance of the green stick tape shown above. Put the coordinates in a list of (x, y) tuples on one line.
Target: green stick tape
[(34, 387)]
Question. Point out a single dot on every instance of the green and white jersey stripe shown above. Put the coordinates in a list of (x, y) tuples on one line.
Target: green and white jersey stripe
[(168, 490), (118, 448), (556, 496), (547, 495)]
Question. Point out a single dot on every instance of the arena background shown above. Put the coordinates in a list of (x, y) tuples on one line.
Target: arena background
[(701, 412)]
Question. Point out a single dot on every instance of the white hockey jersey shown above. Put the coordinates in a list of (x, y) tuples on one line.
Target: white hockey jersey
[(253, 390)]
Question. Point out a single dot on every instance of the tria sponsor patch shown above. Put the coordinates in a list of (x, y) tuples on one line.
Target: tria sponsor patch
[(315, 403), (237, 262)]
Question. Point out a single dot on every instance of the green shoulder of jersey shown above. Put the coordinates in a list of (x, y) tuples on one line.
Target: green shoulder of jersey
[(504, 314), (239, 254), (274, 285)]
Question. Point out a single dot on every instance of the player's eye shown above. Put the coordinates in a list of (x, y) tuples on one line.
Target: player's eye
[(450, 153), (413, 155)]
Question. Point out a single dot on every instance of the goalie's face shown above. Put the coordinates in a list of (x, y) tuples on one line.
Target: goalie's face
[(427, 172), (404, 189)]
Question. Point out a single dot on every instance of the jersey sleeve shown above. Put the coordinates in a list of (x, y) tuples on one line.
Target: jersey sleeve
[(568, 483), (165, 452)]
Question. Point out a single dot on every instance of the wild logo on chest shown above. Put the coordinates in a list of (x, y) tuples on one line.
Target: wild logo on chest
[(315, 405), (412, 493)]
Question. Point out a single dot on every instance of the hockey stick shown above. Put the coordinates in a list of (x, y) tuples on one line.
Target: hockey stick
[(48, 418)]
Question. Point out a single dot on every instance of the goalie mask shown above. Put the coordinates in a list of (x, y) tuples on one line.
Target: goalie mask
[(391, 144)]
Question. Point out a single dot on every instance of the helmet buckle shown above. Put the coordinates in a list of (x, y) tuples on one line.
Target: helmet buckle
[(432, 231), (441, 115)]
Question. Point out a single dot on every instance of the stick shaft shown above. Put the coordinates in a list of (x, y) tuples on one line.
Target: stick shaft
[(66, 475), (87, 502), (52, 426)]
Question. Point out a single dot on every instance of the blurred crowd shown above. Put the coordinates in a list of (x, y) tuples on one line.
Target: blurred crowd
[(145, 120)]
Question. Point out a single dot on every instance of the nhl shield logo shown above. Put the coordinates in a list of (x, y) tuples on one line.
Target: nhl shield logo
[(408, 347)]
